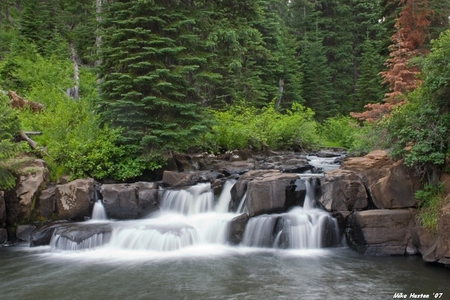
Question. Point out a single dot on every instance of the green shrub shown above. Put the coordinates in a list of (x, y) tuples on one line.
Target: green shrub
[(430, 199), (340, 131), (241, 126)]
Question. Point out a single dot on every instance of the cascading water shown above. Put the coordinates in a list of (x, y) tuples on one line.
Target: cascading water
[(192, 216), (188, 217), (304, 227), (99, 213)]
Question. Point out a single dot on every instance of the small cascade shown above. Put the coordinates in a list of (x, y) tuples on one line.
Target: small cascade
[(225, 197), (304, 227), (194, 200), (99, 213), (242, 208), (61, 243)]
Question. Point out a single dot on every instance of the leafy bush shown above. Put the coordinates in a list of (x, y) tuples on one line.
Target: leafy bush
[(430, 199), (9, 127), (241, 126), (340, 131)]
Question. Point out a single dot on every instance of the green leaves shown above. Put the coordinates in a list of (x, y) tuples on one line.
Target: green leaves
[(243, 126)]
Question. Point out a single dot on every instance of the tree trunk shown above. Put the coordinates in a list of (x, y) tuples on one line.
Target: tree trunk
[(74, 91)]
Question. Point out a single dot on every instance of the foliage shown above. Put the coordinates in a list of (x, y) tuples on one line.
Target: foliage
[(9, 127), (430, 200), (241, 126), (340, 131), (420, 130)]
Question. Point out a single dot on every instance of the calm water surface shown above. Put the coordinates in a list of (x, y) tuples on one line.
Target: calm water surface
[(214, 272)]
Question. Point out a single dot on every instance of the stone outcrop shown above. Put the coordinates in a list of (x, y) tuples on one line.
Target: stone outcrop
[(33, 177), (23, 232), (267, 193), (237, 227), (46, 204), (74, 200), (129, 201), (389, 184), (343, 190), (381, 231)]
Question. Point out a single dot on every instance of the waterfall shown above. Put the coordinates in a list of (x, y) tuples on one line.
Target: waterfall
[(99, 213), (304, 227), (225, 197), (191, 216)]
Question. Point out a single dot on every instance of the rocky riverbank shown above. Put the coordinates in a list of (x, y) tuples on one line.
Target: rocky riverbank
[(372, 197)]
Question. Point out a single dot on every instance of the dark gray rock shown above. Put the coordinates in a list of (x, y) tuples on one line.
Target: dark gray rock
[(42, 236), (23, 232), (120, 200), (178, 179), (46, 204), (3, 235), (237, 227)]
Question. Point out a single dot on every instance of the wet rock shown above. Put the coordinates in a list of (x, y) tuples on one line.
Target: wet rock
[(3, 235), (23, 232), (343, 190), (267, 193), (148, 197), (381, 232), (42, 236), (120, 200), (295, 193), (74, 200), (46, 204), (79, 232), (237, 227)]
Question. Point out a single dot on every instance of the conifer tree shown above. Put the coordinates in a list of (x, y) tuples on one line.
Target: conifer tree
[(148, 59)]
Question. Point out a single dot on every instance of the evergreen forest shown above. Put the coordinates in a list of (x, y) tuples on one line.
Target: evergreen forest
[(113, 88)]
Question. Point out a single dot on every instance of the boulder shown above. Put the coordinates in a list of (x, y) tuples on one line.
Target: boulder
[(23, 232), (3, 235), (130, 201), (237, 227), (381, 231), (43, 235), (343, 190), (46, 204), (148, 196), (74, 200), (240, 187), (267, 193), (33, 178), (395, 190), (120, 200), (371, 168)]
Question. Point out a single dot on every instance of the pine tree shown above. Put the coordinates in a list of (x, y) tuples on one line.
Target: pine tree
[(148, 58)]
